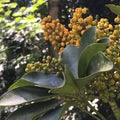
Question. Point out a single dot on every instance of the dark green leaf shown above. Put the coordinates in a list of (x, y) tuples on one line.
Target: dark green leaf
[(46, 80), (23, 95), (69, 87), (86, 56), (88, 37), (29, 111), (99, 63), (104, 40), (70, 56), (71, 53), (114, 8), (52, 114), (20, 83)]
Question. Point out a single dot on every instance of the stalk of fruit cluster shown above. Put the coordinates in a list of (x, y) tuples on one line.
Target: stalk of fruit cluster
[(115, 109)]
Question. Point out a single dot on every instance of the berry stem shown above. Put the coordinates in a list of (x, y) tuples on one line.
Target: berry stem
[(115, 109)]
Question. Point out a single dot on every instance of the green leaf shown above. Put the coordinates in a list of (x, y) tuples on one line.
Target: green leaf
[(16, 14), (99, 63), (45, 80), (29, 111), (86, 56), (52, 114), (71, 53), (104, 40), (88, 37), (69, 86), (13, 5), (18, 19), (5, 1), (20, 83), (114, 8), (23, 95)]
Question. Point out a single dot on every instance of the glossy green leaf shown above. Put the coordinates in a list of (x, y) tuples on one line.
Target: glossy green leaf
[(104, 40), (86, 56), (69, 86), (28, 112), (52, 114), (88, 37), (46, 80), (23, 95), (114, 8), (20, 83), (71, 53), (99, 63), (70, 56)]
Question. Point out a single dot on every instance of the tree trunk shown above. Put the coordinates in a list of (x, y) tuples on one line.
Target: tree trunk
[(53, 9)]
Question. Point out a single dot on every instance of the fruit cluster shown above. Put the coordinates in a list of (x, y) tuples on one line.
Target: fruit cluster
[(47, 65), (59, 36), (104, 28), (55, 32), (79, 23)]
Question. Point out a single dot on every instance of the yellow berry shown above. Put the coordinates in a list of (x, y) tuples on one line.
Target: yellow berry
[(116, 75)]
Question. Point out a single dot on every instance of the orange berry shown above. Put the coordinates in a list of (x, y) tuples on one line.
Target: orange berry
[(63, 39), (82, 32), (56, 31), (54, 42), (62, 48), (52, 25), (116, 75), (77, 44), (57, 20), (47, 25), (78, 9), (62, 44), (118, 59), (79, 27), (67, 43), (70, 25), (90, 18), (71, 41), (110, 27), (80, 20), (50, 37), (74, 19), (46, 38), (84, 10), (94, 22), (62, 27), (57, 37), (88, 26), (74, 27), (61, 34), (117, 19)]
